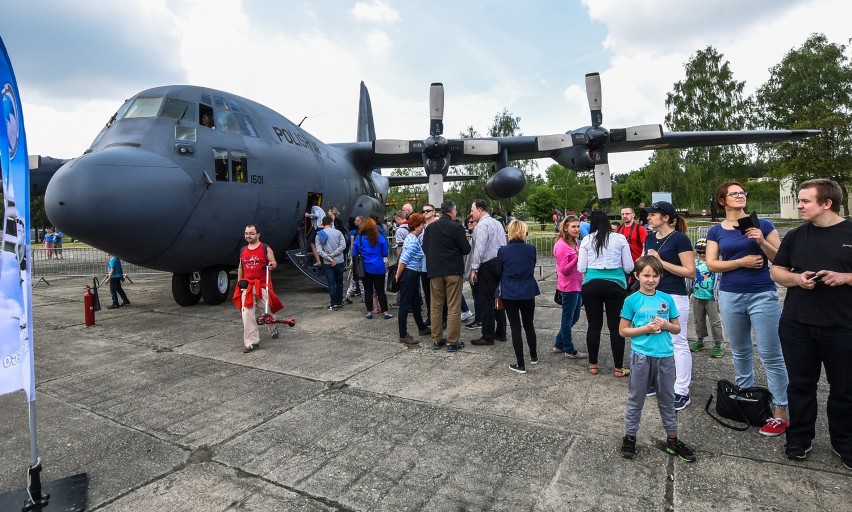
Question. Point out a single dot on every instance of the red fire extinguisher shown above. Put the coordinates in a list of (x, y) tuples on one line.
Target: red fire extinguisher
[(89, 306)]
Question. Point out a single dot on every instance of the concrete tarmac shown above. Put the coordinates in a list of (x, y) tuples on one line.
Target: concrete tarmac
[(163, 410)]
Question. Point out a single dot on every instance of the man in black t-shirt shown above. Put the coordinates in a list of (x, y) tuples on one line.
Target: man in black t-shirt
[(814, 262)]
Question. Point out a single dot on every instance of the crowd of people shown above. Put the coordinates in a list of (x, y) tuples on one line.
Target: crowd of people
[(644, 277)]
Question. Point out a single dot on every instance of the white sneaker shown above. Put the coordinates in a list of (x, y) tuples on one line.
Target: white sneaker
[(466, 314)]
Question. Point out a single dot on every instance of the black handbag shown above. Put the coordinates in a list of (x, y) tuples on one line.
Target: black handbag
[(391, 284), (752, 406), (558, 297), (358, 263)]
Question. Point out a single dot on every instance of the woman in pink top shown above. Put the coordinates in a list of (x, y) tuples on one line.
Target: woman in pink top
[(569, 282)]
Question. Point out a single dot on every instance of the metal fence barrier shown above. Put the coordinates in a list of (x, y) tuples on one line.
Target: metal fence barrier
[(78, 262)]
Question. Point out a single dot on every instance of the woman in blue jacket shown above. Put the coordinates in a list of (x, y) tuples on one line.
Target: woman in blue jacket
[(518, 288), (374, 248)]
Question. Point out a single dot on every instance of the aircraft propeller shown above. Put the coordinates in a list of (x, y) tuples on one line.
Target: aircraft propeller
[(589, 147)]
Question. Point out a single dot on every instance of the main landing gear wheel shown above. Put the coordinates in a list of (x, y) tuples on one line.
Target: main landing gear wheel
[(214, 285), (186, 289)]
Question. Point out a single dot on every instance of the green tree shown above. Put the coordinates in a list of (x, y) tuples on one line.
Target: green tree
[(811, 88), (541, 203), (416, 195), (707, 99), (573, 191)]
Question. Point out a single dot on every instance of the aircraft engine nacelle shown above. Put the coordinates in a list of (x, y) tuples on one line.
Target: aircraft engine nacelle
[(365, 206), (576, 157), (506, 183)]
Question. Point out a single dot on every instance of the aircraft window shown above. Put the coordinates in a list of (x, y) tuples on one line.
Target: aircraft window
[(178, 109), (219, 102), (205, 116), (240, 163), (185, 133), (144, 107), (122, 110), (206, 98), (220, 159), (233, 106), (246, 127), (224, 120)]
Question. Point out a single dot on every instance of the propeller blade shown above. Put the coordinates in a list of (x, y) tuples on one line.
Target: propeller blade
[(397, 146), (603, 181), (436, 109), (552, 142), (634, 133), (593, 93), (474, 147)]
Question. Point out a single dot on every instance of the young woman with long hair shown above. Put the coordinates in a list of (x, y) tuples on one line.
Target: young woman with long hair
[(605, 259), (569, 283)]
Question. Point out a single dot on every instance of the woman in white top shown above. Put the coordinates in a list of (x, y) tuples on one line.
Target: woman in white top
[(605, 259)]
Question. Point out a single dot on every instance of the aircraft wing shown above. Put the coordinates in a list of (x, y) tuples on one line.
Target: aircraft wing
[(397, 181), (42, 169), (674, 140)]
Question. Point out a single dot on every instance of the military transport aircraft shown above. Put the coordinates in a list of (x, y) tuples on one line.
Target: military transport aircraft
[(178, 171)]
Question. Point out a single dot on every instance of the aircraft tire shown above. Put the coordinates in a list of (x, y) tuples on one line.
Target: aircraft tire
[(184, 291), (215, 283)]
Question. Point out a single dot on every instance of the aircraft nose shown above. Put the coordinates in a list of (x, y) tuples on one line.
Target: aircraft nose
[(126, 201)]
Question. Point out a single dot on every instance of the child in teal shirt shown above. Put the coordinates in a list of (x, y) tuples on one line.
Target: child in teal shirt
[(650, 317), (704, 304)]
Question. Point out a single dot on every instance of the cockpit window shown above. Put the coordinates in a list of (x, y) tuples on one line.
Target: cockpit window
[(179, 109), (144, 107), (224, 120), (219, 103), (233, 105), (246, 126)]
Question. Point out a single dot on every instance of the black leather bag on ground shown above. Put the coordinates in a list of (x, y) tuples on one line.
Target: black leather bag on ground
[(752, 406), (391, 284)]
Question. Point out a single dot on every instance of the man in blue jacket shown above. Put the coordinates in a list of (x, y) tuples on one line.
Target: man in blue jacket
[(445, 245)]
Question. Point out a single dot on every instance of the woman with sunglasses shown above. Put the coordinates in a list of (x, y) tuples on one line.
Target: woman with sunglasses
[(748, 298)]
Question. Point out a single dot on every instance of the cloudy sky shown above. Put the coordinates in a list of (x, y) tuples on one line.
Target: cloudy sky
[(76, 62)]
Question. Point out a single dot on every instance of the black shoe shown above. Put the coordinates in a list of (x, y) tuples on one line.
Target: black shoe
[(114, 306), (425, 331), (125, 303), (455, 347), (438, 345), (481, 341), (518, 369), (473, 325), (428, 322), (679, 448), (248, 349), (796, 452), (628, 447), (534, 359), (348, 300), (500, 338)]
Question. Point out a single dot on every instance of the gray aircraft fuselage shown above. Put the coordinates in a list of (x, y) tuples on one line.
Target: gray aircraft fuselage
[(159, 189)]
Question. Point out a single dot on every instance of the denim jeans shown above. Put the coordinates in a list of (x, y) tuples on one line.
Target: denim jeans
[(761, 311), (334, 280), (572, 303), (807, 348), (410, 301)]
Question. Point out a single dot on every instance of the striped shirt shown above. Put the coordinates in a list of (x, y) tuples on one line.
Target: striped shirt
[(488, 237), (412, 254)]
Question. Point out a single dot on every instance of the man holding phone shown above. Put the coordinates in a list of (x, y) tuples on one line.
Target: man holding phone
[(814, 262)]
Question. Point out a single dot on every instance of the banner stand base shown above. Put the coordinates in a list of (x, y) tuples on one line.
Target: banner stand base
[(68, 494)]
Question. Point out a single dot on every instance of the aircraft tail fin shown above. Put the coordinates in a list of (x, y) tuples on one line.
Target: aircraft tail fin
[(366, 129)]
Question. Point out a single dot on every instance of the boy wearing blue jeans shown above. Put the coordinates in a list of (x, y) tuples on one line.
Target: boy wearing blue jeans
[(650, 317)]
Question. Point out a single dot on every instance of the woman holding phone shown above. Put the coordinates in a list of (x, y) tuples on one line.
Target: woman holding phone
[(748, 298)]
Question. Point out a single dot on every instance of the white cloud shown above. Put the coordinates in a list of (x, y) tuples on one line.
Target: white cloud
[(377, 11), (378, 42)]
